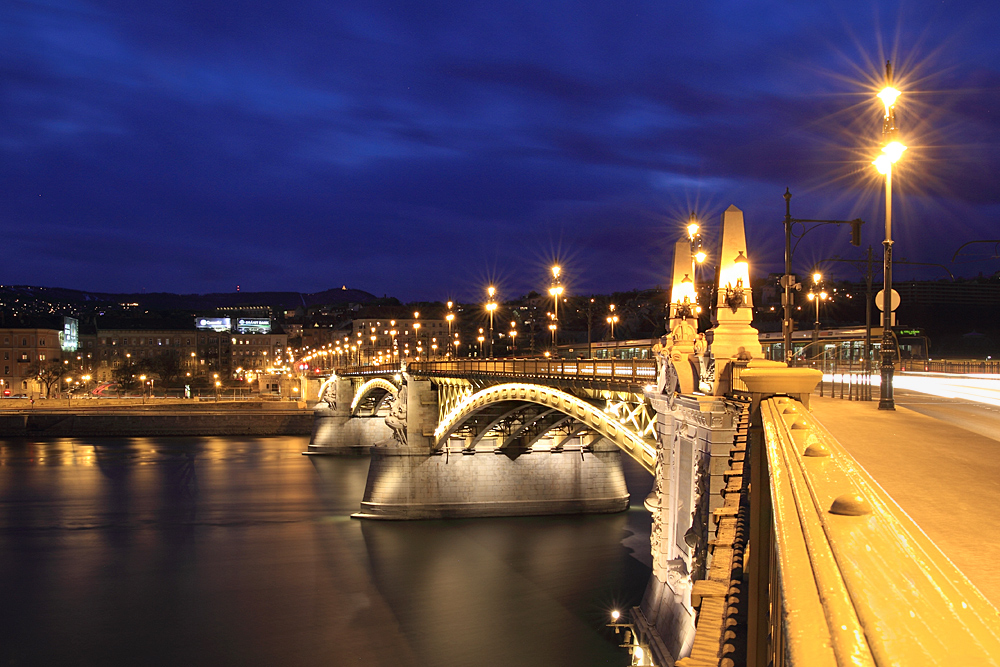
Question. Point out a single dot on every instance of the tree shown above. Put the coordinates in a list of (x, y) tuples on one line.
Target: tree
[(167, 365), (124, 375), (48, 373)]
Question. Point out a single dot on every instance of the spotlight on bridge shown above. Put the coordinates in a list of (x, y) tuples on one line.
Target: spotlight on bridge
[(615, 615)]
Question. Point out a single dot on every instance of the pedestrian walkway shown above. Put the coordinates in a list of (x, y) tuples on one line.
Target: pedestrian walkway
[(943, 476)]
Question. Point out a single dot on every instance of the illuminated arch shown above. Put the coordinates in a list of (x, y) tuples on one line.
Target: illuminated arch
[(551, 400), (379, 388)]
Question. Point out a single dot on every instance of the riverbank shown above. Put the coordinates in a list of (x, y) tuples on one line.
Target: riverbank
[(157, 417)]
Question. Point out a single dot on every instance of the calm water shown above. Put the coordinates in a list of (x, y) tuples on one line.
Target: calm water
[(240, 551)]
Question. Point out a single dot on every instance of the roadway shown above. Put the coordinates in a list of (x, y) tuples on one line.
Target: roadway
[(939, 459)]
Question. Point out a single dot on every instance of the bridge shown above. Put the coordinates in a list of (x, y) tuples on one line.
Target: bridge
[(771, 545)]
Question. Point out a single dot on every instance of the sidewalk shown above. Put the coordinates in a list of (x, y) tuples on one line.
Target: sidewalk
[(945, 477)]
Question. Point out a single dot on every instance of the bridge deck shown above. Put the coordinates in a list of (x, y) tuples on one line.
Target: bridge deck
[(942, 475), (632, 373)]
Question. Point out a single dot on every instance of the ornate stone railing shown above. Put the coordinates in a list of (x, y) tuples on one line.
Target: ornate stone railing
[(838, 573)]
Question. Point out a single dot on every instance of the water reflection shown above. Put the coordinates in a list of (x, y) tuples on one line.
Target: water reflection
[(208, 551)]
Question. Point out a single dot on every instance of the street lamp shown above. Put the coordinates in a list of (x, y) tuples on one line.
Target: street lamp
[(816, 296), (491, 307), (450, 317), (891, 153), (513, 337), (555, 292), (612, 320)]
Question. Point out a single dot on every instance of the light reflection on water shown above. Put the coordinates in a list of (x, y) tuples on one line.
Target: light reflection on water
[(207, 551)]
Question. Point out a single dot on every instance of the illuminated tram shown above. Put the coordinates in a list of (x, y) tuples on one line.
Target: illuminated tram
[(845, 344)]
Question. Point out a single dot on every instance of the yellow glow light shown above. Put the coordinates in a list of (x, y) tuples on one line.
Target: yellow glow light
[(700, 256), (555, 271), (894, 150), (883, 164), (692, 229), (888, 97)]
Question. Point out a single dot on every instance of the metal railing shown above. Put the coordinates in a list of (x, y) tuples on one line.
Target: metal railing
[(958, 366), (624, 371), (838, 573), (851, 380), (368, 369)]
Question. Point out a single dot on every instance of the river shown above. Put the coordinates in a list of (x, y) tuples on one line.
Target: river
[(241, 551)]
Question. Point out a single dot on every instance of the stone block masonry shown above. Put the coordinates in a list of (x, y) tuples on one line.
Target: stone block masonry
[(137, 423), (407, 484)]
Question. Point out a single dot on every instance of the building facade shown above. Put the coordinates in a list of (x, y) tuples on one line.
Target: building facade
[(21, 350)]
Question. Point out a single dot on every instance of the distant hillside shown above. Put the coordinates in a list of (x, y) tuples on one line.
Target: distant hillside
[(27, 299)]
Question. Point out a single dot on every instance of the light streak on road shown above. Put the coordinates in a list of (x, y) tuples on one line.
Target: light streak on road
[(980, 388)]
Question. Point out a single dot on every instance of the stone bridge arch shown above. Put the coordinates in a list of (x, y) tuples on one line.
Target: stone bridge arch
[(371, 395), (557, 408)]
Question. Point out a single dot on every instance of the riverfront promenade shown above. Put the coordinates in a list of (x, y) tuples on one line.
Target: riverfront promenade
[(942, 470)]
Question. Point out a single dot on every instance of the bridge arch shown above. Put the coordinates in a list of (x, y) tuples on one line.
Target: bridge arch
[(372, 392), (553, 402)]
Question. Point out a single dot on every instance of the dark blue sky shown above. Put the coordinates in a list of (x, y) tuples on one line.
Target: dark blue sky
[(421, 149)]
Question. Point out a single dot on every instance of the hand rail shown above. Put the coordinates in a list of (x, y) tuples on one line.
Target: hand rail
[(851, 578)]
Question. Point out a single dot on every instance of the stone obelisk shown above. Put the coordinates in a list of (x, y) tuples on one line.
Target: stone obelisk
[(733, 337)]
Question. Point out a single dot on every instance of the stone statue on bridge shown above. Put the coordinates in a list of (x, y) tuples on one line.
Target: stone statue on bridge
[(396, 419), (330, 392), (666, 373)]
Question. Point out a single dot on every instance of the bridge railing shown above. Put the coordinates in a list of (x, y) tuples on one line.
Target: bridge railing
[(841, 575), (631, 371), (368, 369)]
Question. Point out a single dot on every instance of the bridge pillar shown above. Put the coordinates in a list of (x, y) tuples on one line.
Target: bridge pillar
[(421, 413), (335, 431), (409, 479), (695, 436)]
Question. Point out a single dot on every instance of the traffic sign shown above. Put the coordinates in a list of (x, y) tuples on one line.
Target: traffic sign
[(893, 299)]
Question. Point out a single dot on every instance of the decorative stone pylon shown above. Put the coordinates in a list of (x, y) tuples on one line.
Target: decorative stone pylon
[(683, 319), (733, 337)]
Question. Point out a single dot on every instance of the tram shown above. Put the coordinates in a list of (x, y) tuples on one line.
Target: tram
[(845, 344)]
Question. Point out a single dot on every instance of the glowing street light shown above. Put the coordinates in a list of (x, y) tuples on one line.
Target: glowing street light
[(555, 291), (817, 296), (891, 153), (491, 307), (612, 320)]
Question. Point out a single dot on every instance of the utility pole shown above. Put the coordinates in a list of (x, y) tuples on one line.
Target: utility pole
[(788, 280)]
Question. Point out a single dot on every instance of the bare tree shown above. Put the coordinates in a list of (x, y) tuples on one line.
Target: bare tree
[(48, 373), (124, 376), (167, 365)]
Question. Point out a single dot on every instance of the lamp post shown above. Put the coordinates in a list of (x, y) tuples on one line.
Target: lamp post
[(450, 317), (697, 257), (612, 320), (788, 281), (817, 296), (491, 307), (555, 291), (891, 152)]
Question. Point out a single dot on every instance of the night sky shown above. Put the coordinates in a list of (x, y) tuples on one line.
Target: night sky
[(422, 149)]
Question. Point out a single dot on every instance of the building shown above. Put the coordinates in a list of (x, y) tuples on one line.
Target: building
[(109, 348), (198, 352), (393, 339), (21, 350)]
